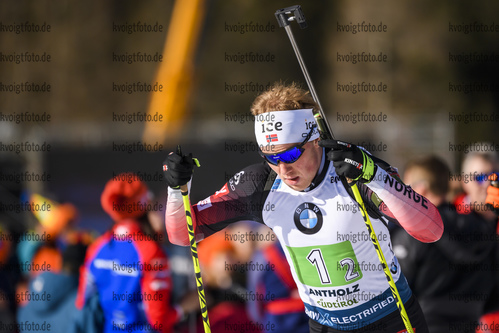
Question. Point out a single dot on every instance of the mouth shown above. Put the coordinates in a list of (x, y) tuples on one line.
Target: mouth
[(292, 180)]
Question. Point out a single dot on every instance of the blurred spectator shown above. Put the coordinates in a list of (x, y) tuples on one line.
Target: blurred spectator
[(9, 275), (275, 301), (453, 277), (490, 321), (126, 267), (44, 245), (40, 249), (476, 169), (220, 266), (179, 257), (51, 302)]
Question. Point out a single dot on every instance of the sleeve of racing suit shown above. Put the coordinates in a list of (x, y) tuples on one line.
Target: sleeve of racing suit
[(418, 216), (175, 221), (240, 199), (156, 286)]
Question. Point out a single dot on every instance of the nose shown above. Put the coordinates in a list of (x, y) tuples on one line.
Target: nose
[(284, 167)]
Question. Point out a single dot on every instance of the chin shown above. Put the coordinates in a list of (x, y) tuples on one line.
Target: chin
[(297, 187)]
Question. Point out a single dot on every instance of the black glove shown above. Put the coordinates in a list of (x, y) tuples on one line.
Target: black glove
[(178, 168), (349, 160)]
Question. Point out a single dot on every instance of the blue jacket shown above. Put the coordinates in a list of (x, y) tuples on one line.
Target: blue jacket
[(51, 302), (131, 276)]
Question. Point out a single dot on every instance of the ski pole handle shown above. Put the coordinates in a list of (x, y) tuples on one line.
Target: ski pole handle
[(284, 17), (296, 15)]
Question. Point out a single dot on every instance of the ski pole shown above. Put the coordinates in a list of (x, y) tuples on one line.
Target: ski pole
[(284, 17), (194, 250)]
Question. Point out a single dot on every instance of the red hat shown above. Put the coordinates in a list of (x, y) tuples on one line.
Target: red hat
[(125, 196), (210, 247)]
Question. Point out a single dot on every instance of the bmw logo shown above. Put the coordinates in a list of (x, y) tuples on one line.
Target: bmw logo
[(308, 218), (393, 268)]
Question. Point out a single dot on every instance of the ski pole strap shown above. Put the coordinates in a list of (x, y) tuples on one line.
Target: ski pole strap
[(386, 270), (368, 168), (195, 259)]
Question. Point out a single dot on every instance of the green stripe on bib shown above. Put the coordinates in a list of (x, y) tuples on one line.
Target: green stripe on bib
[(326, 265)]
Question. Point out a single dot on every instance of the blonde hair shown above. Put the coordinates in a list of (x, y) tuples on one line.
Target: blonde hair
[(280, 97)]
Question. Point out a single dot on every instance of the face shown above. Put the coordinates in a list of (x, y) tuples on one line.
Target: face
[(477, 191), (414, 178), (299, 175), (417, 178)]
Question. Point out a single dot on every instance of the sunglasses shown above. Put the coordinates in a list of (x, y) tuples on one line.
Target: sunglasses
[(290, 155), (485, 177)]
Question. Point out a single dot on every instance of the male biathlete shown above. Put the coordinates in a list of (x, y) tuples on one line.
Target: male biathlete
[(302, 191)]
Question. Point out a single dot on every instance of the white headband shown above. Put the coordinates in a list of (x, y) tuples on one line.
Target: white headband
[(283, 127)]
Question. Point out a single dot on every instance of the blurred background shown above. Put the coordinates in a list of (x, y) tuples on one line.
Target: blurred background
[(214, 64)]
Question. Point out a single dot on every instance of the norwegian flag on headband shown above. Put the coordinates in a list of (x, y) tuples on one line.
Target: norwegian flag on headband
[(272, 138)]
